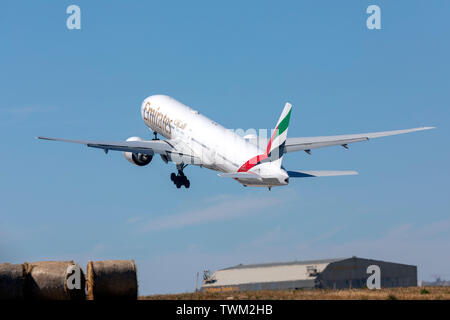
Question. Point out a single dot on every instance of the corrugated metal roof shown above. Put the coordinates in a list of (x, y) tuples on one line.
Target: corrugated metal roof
[(290, 263)]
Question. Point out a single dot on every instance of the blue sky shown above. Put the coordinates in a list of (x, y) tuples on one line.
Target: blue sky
[(238, 63)]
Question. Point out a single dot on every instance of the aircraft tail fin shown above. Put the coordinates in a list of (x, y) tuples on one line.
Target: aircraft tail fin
[(276, 146)]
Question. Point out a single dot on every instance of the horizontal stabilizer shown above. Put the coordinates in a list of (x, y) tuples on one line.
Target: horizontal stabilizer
[(307, 174), (240, 175)]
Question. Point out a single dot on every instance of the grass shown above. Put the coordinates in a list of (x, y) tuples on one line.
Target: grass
[(424, 291), (410, 293)]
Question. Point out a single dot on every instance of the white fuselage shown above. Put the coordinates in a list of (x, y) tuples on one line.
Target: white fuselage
[(215, 147)]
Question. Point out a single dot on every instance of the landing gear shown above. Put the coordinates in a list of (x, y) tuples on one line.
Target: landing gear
[(180, 179), (156, 135)]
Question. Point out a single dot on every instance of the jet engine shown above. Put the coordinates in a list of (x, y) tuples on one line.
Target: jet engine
[(138, 159)]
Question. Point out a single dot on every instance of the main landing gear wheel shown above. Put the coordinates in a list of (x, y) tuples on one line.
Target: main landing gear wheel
[(180, 179)]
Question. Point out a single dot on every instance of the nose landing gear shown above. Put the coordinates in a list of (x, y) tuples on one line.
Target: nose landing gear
[(180, 179)]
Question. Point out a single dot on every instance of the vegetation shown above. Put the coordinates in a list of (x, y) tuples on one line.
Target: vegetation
[(424, 291), (410, 293)]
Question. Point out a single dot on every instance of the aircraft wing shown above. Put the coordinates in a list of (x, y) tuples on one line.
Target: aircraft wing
[(151, 147), (306, 144)]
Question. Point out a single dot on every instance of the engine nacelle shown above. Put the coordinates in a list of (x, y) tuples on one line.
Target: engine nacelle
[(138, 159)]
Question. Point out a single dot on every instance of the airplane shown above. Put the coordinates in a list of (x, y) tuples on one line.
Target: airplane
[(192, 138)]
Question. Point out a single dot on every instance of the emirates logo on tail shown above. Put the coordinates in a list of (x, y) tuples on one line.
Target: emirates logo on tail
[(275, 147)]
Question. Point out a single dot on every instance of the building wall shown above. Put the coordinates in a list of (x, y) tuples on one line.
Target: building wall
[(352, 273), (281, 273), (272, 277)]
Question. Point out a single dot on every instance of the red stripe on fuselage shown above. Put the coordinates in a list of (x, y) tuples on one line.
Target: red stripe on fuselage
[(255, 160)]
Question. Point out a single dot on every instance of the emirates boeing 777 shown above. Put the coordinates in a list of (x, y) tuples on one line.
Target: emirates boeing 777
[(192, 138)]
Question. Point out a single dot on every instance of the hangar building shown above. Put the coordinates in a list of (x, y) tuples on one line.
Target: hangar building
[(324, 274)]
